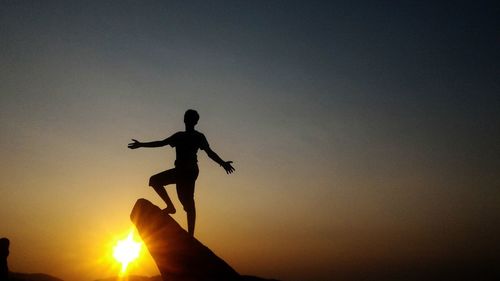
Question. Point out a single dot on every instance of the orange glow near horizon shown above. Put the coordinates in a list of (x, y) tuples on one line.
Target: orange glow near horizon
[(126, 251)]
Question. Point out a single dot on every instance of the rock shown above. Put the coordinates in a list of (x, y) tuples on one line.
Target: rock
[(179, 256)]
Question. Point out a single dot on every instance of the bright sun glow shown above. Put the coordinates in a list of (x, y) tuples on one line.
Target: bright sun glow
[(126, 250)]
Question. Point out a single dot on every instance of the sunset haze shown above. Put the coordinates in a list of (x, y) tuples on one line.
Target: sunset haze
[(365, 136)]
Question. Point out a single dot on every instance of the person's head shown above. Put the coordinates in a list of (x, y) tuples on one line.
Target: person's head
[(191, 117), (4, 247)]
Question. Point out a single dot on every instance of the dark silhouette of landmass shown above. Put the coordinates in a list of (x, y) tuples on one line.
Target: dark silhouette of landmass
[(178, 255), (32, 277), (159, 278), (133, 278)]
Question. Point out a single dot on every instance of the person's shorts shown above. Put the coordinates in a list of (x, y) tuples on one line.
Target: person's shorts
[(184, 179)]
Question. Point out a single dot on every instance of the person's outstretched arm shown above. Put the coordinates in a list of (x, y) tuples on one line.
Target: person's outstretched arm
[(136, 144), (225, 164)]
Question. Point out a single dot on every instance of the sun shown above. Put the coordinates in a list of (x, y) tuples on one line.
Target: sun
[(126, 251)]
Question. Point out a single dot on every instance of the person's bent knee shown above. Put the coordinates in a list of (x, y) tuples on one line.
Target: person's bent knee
[(153, 181)]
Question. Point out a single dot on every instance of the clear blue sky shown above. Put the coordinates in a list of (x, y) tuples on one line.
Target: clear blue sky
[(363, 133)]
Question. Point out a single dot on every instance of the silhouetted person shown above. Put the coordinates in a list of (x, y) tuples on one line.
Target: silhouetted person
[(185, 172), (4, 253)]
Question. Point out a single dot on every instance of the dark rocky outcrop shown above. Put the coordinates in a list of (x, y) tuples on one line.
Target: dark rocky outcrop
[(179, 256)]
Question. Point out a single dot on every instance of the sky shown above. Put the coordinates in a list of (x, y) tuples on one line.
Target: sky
[(364, 133)]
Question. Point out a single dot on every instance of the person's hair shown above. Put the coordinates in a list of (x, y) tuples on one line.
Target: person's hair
[(4, 243), (191, 116)]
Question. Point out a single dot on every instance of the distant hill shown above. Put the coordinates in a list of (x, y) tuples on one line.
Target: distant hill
[(254, 278), (14, 276), (133, 278), (45, 277), (158, 278)]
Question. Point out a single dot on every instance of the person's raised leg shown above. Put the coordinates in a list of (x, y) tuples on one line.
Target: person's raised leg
[(158, 181), (164, 195)]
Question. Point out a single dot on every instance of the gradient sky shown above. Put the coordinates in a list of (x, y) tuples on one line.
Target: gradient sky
[(364, 134)]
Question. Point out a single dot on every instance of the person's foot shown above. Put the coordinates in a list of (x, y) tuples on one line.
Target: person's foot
[(170, 209)]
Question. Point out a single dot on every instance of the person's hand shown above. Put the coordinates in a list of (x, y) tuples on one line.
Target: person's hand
[(135, 144), (227, 166)]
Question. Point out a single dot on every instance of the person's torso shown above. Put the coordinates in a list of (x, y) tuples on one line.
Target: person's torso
[(186, 147)]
